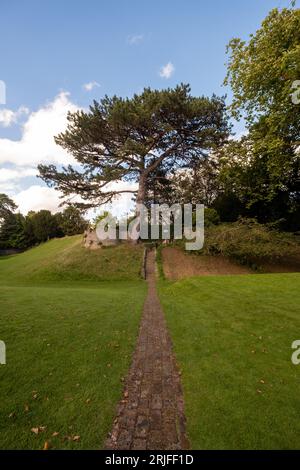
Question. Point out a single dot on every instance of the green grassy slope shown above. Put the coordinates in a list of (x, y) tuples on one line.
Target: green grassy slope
[(232, 337), (66, 259), (69, 340)]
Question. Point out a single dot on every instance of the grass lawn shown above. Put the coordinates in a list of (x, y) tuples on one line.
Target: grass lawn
[(232, 337), (68, 342)]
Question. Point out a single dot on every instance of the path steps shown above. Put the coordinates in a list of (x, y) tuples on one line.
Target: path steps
[(151, 412)]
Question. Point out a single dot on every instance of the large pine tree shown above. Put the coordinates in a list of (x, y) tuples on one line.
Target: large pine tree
[(129, 139)]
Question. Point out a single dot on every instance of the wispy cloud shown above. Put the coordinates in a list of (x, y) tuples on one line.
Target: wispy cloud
[(167, 70), (9, 117), (90, 86), (135, 39)]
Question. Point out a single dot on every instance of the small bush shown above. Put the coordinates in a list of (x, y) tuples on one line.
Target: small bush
[(211, 217)]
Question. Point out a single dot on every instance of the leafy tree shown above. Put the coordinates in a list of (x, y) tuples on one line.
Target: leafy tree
[(261, 72), (71, 221), (29, 234), (7, 206), (12, 232), (130, 139), (45, 226), (264, 168)]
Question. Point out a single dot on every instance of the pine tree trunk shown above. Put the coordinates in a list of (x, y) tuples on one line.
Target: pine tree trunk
[(141, 195)]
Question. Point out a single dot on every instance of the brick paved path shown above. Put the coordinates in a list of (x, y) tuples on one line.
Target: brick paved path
[(151, 413)]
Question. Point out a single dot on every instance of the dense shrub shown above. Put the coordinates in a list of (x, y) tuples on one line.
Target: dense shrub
[(248, 242)]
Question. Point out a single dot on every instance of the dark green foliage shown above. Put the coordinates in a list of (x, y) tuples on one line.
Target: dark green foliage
[(21, 232), (12, 234), (71, 221), (45, 226), (211, 217), (228, 206)]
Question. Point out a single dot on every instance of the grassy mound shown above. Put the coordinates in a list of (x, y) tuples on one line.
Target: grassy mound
[(65, 259)]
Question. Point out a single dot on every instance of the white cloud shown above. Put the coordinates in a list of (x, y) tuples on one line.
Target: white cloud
[(9, 187), (90, 86), (36, 198), (135, 39), (9, 174), (37, 143), (167, 70), (9, 117)]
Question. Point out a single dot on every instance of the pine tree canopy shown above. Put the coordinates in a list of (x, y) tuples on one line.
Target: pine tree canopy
[(129, 139)]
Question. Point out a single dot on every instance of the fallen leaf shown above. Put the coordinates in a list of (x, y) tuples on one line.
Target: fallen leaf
[(76, 438), (46, 446), (38, 429), (55, 434)]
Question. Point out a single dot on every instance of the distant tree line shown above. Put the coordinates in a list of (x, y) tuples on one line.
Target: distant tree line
[(21, 232)]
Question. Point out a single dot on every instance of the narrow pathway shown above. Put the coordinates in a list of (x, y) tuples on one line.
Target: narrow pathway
[(151, 413)]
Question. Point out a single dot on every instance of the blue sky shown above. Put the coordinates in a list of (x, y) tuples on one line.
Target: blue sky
[(50, 49)]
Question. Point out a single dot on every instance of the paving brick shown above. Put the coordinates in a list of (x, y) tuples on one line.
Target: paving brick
[(151, 412)]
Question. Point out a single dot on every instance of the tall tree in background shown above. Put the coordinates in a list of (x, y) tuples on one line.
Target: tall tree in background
[(262, 74), (12, 232), (45, 226), (130, 139), (71, 221), (7, 206)]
